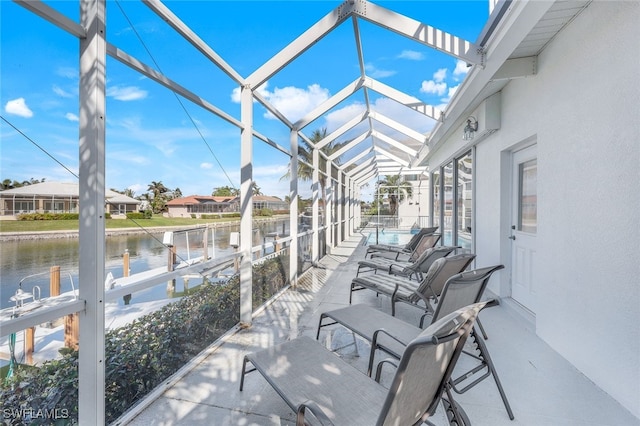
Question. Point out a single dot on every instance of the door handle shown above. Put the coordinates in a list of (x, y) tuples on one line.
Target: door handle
[(513, 237)]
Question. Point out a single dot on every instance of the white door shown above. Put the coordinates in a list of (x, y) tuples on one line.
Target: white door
[(524, 227)]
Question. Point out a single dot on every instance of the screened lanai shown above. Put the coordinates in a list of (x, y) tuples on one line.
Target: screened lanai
[(344, 135)]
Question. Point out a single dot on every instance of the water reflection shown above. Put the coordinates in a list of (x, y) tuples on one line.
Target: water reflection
[(20, 259)]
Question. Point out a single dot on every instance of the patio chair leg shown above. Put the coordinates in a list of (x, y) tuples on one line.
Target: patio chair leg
[(453, 411), (484, 333), (355, 343), (485, 361), (484, 353), (244, 372)]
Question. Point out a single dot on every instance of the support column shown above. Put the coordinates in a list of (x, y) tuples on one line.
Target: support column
[(314, 206), (340, 204), (246, 204), (92, 209), (328, 208), (293, 209)]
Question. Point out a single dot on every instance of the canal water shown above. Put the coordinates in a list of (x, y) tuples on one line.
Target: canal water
[(19, 260)]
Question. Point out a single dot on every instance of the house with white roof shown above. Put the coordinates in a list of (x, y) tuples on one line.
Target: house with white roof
[(57, 197)]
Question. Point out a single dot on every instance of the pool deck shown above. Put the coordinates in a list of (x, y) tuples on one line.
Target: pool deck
[(542, 387)]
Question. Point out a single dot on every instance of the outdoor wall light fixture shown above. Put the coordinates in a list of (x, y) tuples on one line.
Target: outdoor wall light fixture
[(470, 129)]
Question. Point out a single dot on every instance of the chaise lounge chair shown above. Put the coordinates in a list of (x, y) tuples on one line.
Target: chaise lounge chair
[(309, 378), (390, 334), (408, 269), (426, 241), (402, 289), (399, 248)]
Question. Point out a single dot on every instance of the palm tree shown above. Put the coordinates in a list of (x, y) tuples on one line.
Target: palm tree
[(7, 184), (177, 193), (255, 189), (158, 190), (305, 153), (225, 191), (395, 187)]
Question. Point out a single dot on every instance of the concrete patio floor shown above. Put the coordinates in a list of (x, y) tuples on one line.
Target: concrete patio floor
[(542, 387)]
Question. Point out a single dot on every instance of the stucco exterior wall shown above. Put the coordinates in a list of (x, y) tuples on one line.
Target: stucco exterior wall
[(582, 110)]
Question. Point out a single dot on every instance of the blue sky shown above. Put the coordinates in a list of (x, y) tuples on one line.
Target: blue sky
[(150, 136)]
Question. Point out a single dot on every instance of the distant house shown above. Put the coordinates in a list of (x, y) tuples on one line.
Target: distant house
[(202, 204), (269, 202), (206, 204), (57, 197)]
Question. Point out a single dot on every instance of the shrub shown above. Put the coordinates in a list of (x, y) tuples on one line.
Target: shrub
[(263, 212), (141, 355), (48, 216), (136, 215)]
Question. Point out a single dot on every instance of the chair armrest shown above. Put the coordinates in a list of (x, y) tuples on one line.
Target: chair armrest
[(315, 410), (374, 340), (381, 364)]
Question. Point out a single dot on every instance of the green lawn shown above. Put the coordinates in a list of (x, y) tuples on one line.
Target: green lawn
[(72, 225)]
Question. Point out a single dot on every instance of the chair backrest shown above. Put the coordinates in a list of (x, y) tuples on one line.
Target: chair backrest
[(413, 242), (426, 259), (425, 369), (426, 241), (463, 289), (438, 274)]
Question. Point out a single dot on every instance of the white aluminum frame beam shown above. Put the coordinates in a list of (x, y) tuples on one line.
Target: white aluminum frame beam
[(381, 118), (356, 158), (343, 129), (246, 205), (355, 170), (420, 32), (364, 171), (384, 152), (402, 98), (517, 24), (365, 179), (321, 109), (91, 235), (50, 14), (356, 34), (307, 39), (181, 28), (388, 140), (273, 110), (350, 145), (293, 209), (146, 70)]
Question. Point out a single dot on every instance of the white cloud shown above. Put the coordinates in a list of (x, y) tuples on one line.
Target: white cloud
[(403, 115), (293, 102), (452, 91), (126, 93), (430, 86), (61, 92), (385, 106), (374, 72), (18, 107), (461, 68), (276, 171), (440, 75), (206, 166), (340, 116), (67, 72), (71, 116), (138, 188), (411, 55)]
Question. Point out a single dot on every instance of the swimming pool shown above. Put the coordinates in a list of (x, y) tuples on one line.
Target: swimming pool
[(389, 237)]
